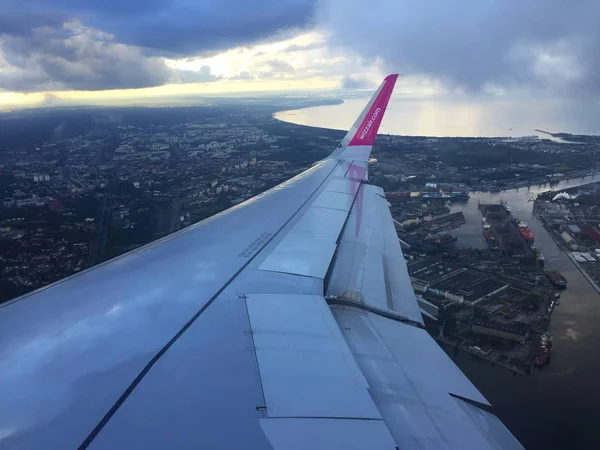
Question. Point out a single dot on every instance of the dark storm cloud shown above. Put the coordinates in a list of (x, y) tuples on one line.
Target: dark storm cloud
[(179, 27), (23, 24), (551, 44)]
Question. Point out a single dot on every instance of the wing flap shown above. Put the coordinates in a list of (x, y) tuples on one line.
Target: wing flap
[(334, 200), (411, 381), (342, 185), (327, 434), (71, 350), (302, 253), (322, 220), (305, 366), (369, 263)]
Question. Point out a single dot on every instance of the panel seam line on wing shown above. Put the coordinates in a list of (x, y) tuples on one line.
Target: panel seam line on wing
[(111, 412), (150, 245)]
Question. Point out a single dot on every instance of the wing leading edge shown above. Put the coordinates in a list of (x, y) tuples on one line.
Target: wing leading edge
[(298, 329)]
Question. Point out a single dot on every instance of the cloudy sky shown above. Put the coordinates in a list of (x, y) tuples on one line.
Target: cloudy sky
[(125, 49)]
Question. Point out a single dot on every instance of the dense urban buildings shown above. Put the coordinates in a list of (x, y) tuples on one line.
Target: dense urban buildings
[(79, 186)]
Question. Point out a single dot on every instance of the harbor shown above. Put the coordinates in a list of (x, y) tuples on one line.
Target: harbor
[(479, 304), (494, 301), (559, 360), (572, 218), (558, 396)]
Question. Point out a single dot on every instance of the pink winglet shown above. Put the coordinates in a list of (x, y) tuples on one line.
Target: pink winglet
[(370, 125)]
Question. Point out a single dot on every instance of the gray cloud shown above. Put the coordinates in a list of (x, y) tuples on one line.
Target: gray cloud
[(75, 57), (242, 76), (266, 75), (51, 100), (551, 45), (175, 27), (277, 65), (301, 48), (23, 23), (203, 75), (116, 44), (269, 69), (350, 82)]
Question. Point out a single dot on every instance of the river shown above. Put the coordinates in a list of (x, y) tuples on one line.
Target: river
[(557, 407)]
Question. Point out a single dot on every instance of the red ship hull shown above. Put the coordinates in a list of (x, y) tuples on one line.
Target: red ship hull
[(541, 356), (527, 234)]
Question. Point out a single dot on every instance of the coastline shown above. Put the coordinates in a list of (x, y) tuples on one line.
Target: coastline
[(292, 112), (440, 117), (429, 136), (497, 187)]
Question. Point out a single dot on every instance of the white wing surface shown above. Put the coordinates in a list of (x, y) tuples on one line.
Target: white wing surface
[(286, 322)]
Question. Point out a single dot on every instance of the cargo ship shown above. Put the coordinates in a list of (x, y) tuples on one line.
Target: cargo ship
[(541, 356), (556, 279), (491, 240), (547, 339), (464, 195), (542, 352), (526, 232), (444, 196), (440, 240), (436, 195), (397, 195)]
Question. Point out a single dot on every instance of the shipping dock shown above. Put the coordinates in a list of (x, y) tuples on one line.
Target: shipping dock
[(506, 233), (449, 196)]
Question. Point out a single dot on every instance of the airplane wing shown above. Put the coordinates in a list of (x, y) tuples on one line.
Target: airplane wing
[(286, 322)]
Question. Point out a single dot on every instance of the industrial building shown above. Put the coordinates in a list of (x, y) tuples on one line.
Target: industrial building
[(517, 332), (445, 286)]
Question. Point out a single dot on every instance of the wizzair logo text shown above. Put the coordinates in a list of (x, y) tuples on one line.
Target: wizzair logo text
[(370, 123)]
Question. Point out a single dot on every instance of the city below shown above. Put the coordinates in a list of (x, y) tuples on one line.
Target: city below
[(79, 186)]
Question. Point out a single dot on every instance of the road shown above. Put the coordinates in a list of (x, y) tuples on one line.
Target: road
[(98, 245)]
